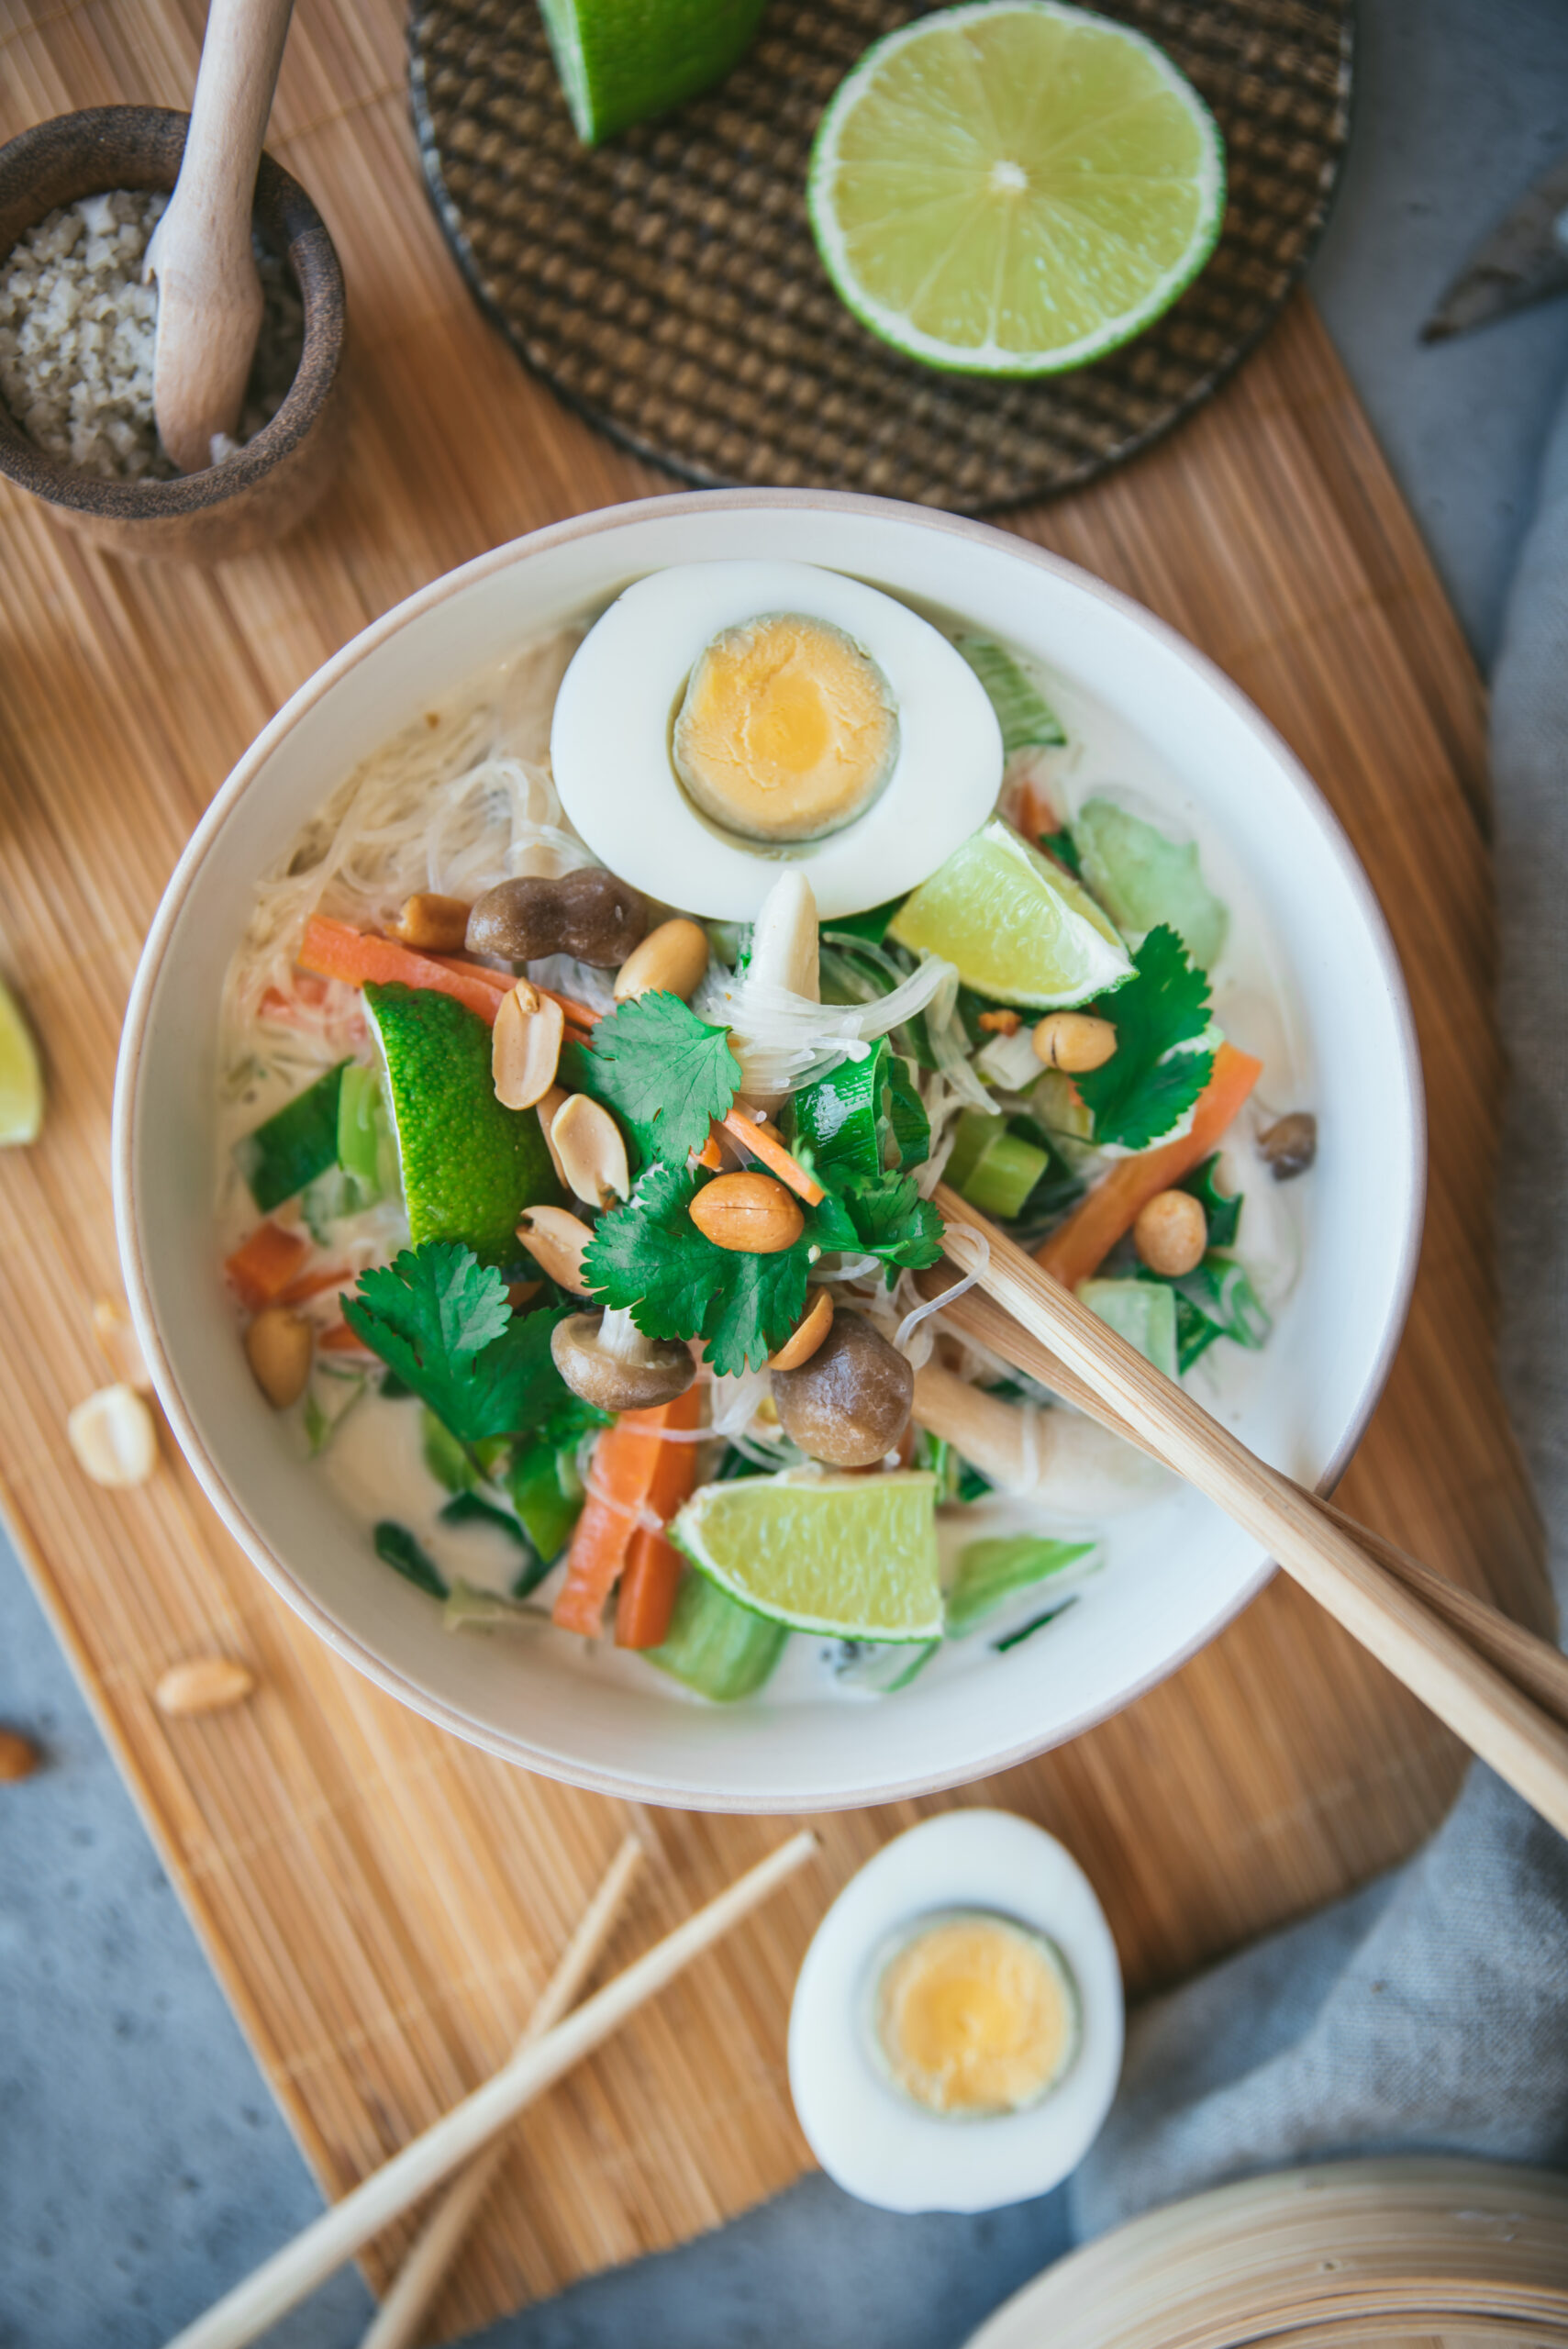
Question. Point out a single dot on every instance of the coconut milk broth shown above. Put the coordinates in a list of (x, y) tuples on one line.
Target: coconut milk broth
[(373, 1461)]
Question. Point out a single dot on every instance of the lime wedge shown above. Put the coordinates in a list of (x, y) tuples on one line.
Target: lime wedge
[(622, 60), (469, 1166), (853, 1556), (1014, 188), (21, 1077), (1019, 929)]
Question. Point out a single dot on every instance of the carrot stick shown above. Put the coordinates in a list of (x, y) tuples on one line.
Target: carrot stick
[(340, 1340), (263, 1266), (578, 1014), (766, 1142), (652, 1571), (625, 1459), (333, 950), (1078, 1248), (313, 1284)]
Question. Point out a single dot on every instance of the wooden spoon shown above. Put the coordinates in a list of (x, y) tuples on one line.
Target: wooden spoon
[(209, 295)]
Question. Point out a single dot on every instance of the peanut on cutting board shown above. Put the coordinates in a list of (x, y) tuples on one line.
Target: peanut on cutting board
[(113, 1438), (278, 1347), (1074, 1041), (432, 924), (1171, 1232), (207, 1683), (749, 1212), (120, 1346), (525, 1050), (671, 960)]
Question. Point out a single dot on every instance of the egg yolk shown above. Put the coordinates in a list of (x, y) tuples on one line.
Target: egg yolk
[(975, 2016), (787, 731)]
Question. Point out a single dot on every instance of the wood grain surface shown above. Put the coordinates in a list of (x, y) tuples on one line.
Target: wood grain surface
[(382, 1904)]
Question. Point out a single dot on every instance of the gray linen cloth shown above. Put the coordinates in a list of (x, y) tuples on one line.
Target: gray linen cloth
[(1430, 2011)]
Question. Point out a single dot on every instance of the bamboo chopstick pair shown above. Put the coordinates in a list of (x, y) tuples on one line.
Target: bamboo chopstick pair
[(549, 2047), (1500, 1688)]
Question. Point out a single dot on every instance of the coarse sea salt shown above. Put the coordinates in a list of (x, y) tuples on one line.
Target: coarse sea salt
[(78, 330)]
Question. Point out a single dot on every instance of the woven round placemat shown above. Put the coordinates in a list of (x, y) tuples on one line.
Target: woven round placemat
[(667, 286)]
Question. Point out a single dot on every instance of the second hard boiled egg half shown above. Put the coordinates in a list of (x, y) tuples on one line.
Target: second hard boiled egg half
[(723, 718)]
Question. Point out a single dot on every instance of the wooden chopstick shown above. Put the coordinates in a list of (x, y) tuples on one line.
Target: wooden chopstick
[(1532, 1664), (1424, 1649), (280, 2282), (397, 2320)]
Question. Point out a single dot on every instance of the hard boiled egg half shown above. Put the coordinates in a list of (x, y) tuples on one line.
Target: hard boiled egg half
[(722, 718), (956, 2035)]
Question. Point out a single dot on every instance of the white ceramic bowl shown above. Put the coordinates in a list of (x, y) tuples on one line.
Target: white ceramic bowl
[(1168, 1589)]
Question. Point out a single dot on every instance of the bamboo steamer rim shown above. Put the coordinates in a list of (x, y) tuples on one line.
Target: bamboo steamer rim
[(1330, 2253)]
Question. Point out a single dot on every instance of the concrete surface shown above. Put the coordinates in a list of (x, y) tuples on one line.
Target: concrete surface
[(144, 2166)]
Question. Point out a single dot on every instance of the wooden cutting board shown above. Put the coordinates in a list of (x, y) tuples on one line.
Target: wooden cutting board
[(381, 1903)]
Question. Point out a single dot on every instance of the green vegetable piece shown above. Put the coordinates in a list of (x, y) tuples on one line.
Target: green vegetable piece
[(1027, 720), (447, 1461), (650, 1256), (472, 1509), (547, 1493), (1148, 1085), (365, 1146), (1035, 1623), (845, 1118), (716, 1645), (911, 1127), (1060, 845), (972, 1135), (294, 1145), (872, 925), (886, 1219), (443, 1323), (1215, 1300), (1142, 1312), (470, 1166), (664, 1073), (1142, 879), (1001, 1184), (1222, 1209), (397, 1548), (991, 1572)]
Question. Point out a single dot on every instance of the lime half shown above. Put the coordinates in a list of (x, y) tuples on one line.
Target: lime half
[(1014, 188), (853, 1556), (1019, 929), (469, 1166), (21, 1078), (622, 60)]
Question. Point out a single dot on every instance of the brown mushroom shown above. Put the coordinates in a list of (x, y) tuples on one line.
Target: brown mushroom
[(589, 915), (1290, 1145), (850, 1403), (605, 1360)]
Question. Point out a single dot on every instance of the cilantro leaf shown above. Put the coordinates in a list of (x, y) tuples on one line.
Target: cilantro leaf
[(443, 1324), (1147, 1084), (665, 1073), (650, 1256), (884, 1217)]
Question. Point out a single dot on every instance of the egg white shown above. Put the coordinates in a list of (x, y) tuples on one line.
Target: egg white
[(870, 2139), (611, 732)]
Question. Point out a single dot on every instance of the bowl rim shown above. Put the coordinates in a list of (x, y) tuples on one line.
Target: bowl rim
[(601, 520)]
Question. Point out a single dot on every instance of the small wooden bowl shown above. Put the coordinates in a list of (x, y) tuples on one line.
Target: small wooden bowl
[(274, 481)]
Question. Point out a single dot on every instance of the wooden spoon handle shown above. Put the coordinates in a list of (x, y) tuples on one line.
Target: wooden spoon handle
[(1420, 1647)]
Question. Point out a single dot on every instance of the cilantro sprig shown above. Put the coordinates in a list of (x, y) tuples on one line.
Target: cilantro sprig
[(1149, 1084), (884, 1217), (664, 1073), (443, 1324)]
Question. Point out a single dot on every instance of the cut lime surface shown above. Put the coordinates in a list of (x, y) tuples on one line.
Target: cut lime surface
[(852, 1556), (1019, 929), (622, 60), (21, 1077), (1014, 188), (469, 1166)]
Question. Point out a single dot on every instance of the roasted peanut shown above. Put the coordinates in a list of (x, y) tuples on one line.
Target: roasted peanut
[(547, 1105), (120, 1346), (589, 915), (525, 1050), (434, 924), (808, 1333), (20, 1756), (278, 1347), (1171, 1232), (1000, 1023), (671, 958), (749, 1212), (1290, 1145), (1074, 1041), (555, 1239), (208, 1683), (113, 1436), (591, 1151)]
